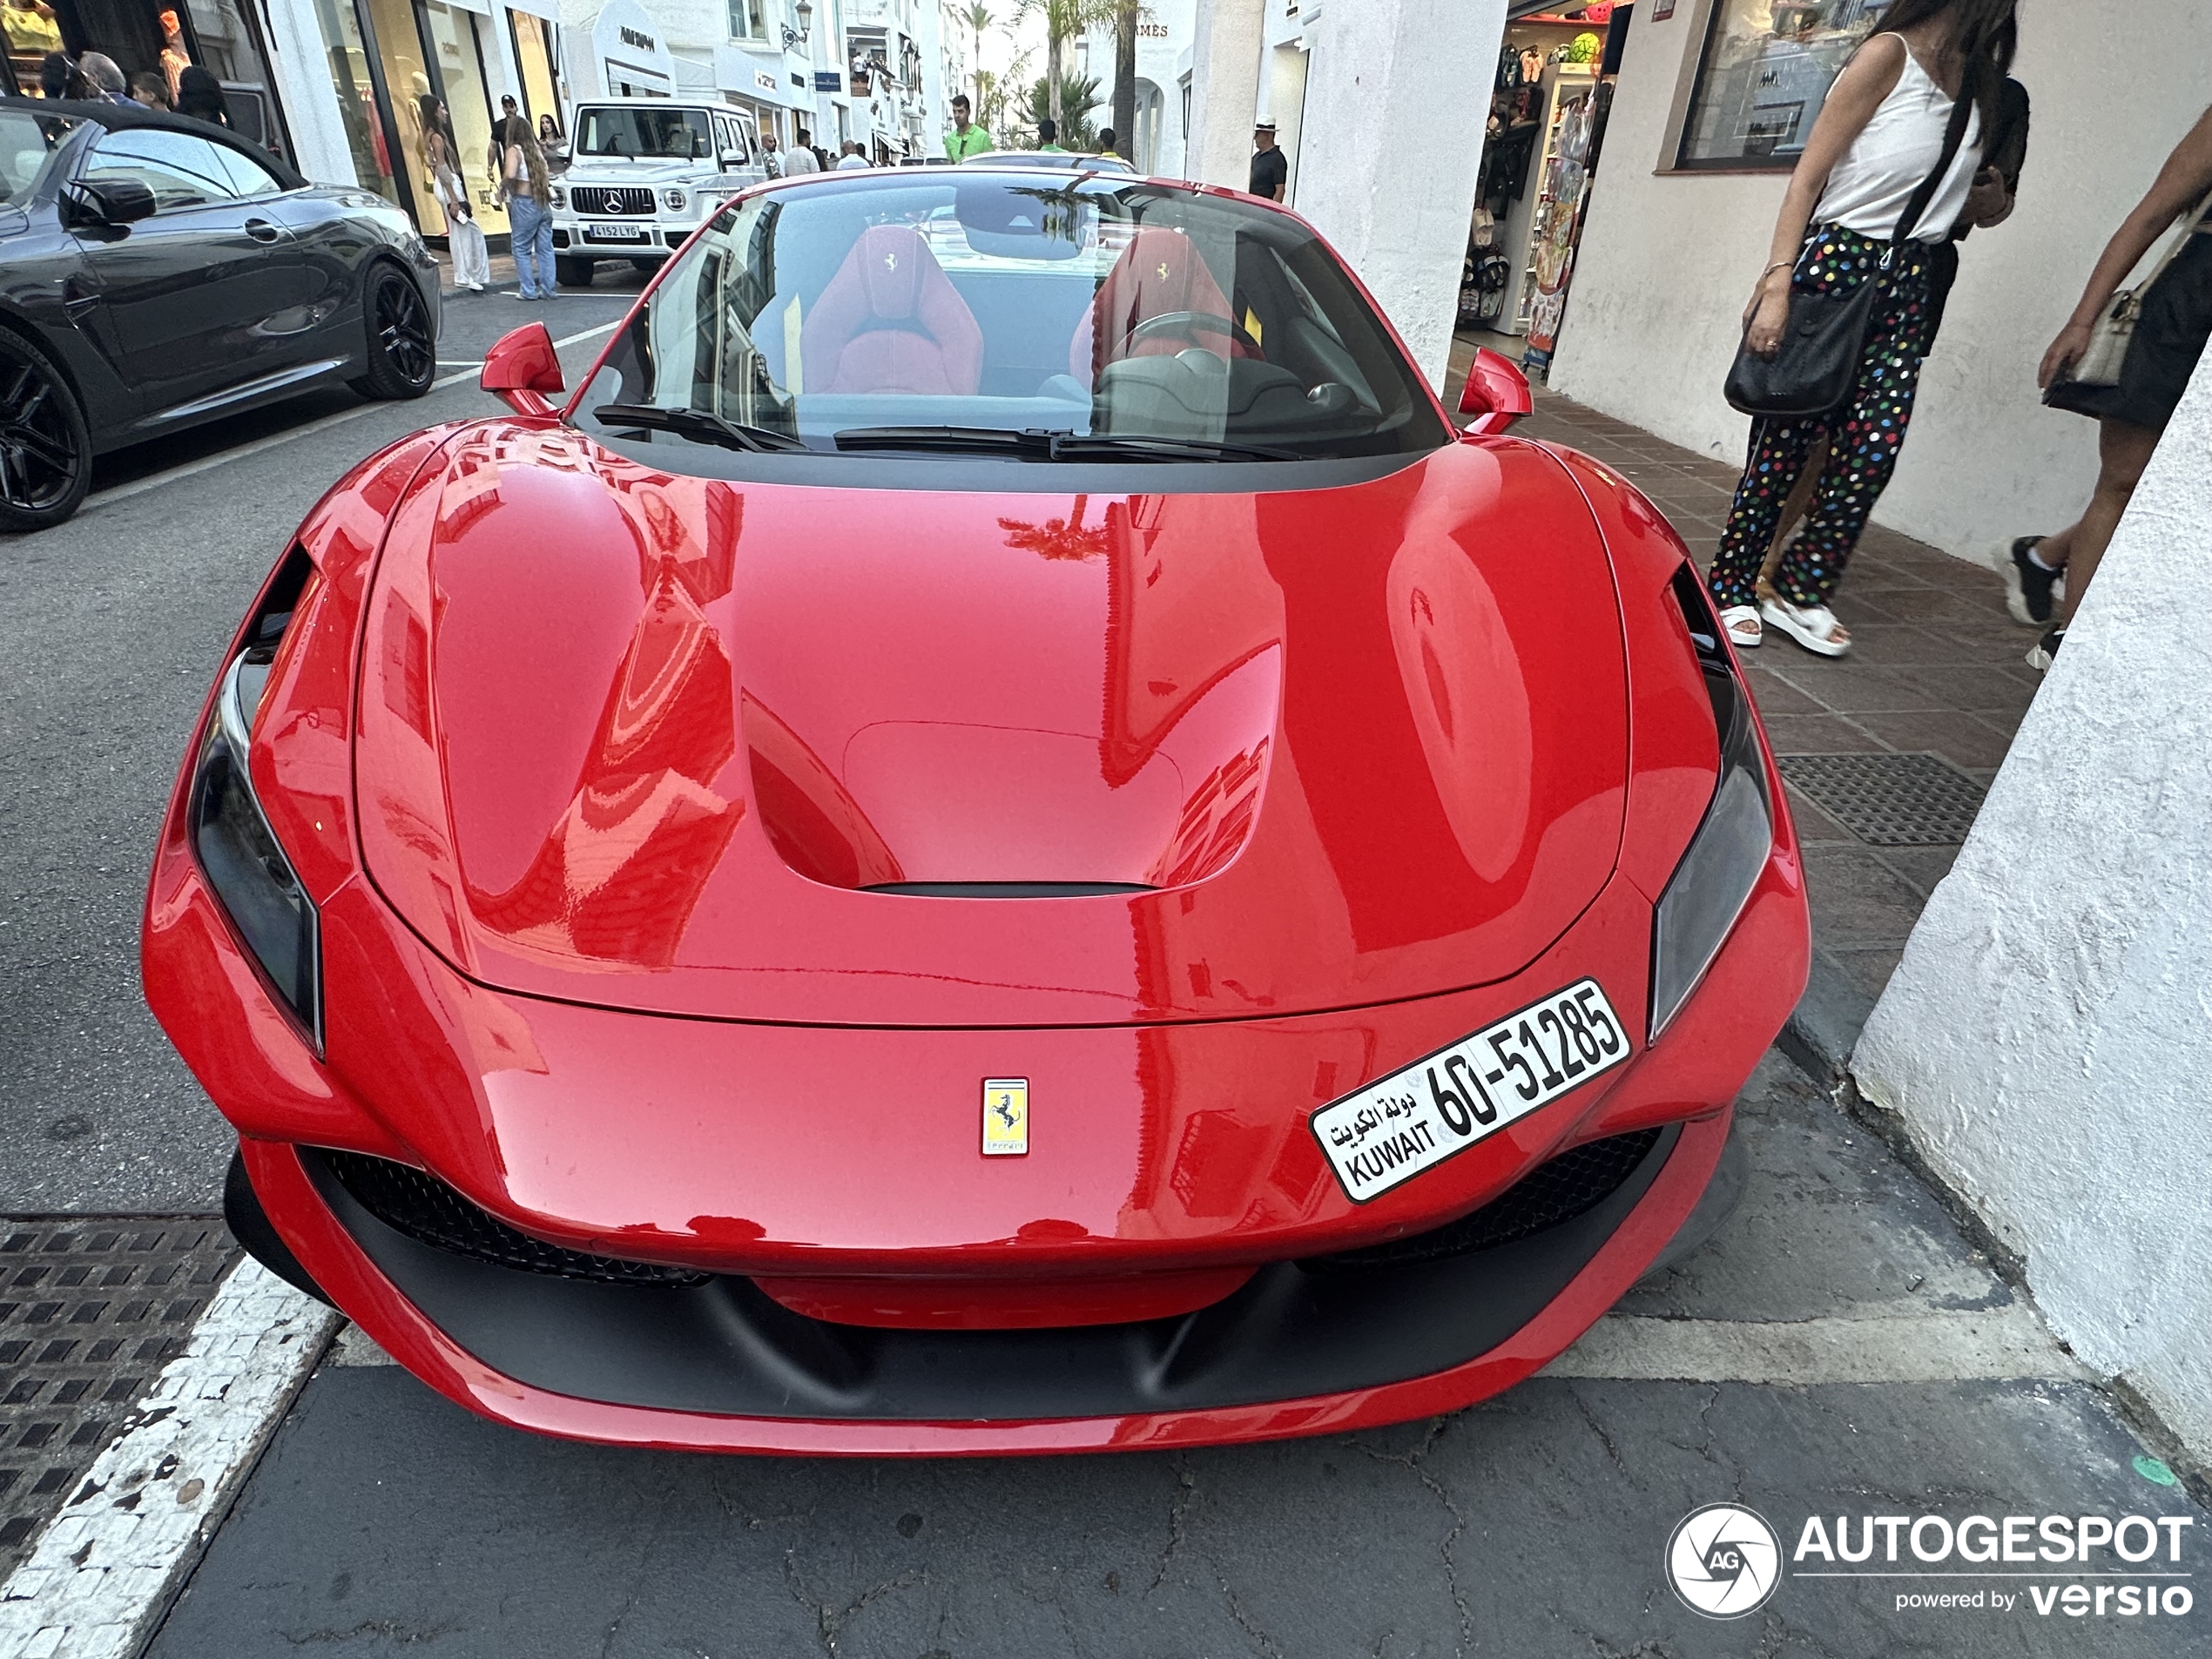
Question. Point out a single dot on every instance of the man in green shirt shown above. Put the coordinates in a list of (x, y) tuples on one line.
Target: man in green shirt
[(966, 139), (1048, 139)]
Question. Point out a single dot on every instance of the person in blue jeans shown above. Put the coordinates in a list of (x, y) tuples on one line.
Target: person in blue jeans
[(523, 180)]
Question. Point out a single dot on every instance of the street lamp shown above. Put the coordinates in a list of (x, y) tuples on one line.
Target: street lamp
[(798, 37)]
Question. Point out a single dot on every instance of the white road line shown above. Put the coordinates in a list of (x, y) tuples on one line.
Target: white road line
[(107, 1566), (1999, 1344), (208, 463)]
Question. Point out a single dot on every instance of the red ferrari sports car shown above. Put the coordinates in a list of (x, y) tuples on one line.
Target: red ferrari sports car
[(997, 839)]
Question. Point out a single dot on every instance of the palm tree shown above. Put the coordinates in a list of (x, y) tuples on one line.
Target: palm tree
[(978, 17), (1063, 21), (1078, 98), (1126, 14)]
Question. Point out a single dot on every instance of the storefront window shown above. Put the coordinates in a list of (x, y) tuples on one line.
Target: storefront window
[(748, 19), (1767, 69)]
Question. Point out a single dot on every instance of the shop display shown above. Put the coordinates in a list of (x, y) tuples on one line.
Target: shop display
[(1767, 68)]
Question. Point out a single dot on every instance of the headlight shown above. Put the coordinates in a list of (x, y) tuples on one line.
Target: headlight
[(674, 200), (238, 854), (1711, 886), (557, 196)]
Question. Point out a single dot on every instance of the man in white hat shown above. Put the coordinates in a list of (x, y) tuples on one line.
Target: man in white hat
[(1271, 167)]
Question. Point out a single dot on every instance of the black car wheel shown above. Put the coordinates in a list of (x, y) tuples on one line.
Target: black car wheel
[(402, 353), (45, 447), (574, 273)]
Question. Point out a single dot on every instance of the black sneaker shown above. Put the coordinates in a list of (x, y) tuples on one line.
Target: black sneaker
[(2046, 650), (2027, 586)]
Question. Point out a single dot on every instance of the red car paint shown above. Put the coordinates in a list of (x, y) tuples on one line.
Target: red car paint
[(1400, 757)]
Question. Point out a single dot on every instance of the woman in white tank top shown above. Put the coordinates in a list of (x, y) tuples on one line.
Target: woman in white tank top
[(1880, 134)]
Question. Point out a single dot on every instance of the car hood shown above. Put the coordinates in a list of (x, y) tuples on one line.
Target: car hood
[(690, 745)]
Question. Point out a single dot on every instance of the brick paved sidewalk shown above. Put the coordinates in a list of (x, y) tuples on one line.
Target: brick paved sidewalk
[(1936, 668)]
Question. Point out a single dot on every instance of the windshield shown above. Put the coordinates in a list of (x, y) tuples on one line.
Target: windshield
[(1035, 318), (26, 145), (653, 134)]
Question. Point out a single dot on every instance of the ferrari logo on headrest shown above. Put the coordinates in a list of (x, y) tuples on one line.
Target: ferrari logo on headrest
[(1164, 270), (1005, 1116), (891, 261)]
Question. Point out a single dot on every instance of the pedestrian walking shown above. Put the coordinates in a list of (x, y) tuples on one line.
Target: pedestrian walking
[(2131, 404), (966, 139), (150, 89), (1106, 144), (105, 76), (1877, 148), (1271, 167), (524, 187), (549, 139), (849, 158), (1048, 138)]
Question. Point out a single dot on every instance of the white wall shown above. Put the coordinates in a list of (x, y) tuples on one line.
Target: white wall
[(1668, 262), (2048, 1036), (1393, 187), (1225, 77)]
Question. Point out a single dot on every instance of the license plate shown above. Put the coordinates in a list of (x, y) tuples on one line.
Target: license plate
[(600, 232), (1412, 1120)]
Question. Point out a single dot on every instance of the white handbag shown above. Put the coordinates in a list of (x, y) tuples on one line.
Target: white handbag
[(2107, 355)]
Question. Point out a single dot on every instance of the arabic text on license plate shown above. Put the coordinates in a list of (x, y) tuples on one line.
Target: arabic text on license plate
[(1420, 1115), (600, 232)]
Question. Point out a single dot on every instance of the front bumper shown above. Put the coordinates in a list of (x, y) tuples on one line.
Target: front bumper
[(572, 236)]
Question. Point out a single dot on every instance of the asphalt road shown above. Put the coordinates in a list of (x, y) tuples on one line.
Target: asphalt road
[(112, 628)]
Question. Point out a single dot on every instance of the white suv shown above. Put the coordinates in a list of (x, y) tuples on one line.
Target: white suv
[(642, 173)]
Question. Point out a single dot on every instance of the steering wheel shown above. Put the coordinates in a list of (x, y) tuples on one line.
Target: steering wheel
[(1191, 324)]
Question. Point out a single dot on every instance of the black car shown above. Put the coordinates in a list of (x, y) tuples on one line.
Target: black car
[(157, 271)]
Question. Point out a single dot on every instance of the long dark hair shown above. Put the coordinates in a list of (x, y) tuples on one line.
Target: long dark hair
[(1985, 35)]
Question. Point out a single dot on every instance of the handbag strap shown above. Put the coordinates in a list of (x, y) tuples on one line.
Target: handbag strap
[(2191, 221), (1954, 138)]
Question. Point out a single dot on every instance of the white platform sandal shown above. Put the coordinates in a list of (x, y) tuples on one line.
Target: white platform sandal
[(1742, 622), (1814, 627)]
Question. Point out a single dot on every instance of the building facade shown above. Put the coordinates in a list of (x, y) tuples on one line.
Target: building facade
[(1163, 38)]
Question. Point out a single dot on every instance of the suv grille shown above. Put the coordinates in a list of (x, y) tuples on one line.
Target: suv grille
[(611, 199), (1571, 1184), (425, 1209)]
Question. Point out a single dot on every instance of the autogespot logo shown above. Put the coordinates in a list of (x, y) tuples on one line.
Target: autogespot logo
[(1724, 1560)]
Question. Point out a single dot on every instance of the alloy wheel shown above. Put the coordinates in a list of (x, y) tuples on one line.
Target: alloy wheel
[(403, 328), (39, 459)]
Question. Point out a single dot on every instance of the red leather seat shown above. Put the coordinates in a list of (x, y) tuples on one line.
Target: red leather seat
[(1159, 271), (891, 321)]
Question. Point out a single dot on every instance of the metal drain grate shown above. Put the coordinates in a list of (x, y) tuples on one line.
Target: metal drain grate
[(1887, 800), (90, 1309)]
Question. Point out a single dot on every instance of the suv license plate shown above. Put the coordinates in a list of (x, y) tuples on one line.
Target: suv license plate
[(600, 231), (1412, 1120)]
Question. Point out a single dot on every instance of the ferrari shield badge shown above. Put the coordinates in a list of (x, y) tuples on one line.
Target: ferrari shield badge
[(1005, 1116)]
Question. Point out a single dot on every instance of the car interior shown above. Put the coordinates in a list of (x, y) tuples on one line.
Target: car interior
[(1005, 306)]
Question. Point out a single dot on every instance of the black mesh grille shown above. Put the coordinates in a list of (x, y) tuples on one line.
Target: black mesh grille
[(611, 199), (1571, 1184), (424, 1208)]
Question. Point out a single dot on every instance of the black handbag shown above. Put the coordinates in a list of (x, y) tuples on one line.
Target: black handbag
[(1816, 367)]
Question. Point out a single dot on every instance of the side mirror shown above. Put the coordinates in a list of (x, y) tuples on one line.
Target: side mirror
[(522, 370), (1496, 393), (109, 201)]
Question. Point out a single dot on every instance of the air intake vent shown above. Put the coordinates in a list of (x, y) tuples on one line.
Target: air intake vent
[(427, 1210), (1007, 889), (1570, 1185)]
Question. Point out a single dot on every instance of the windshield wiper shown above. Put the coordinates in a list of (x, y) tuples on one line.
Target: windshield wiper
[(702, 425), (1046, 443)]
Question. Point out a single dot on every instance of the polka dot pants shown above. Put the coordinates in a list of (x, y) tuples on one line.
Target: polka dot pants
[(1864, 437)]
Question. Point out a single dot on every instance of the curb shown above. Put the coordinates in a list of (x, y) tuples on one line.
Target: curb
[(1825, 1028)]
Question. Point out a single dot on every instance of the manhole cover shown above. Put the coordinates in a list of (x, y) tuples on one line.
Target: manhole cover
[(90, 1309), (1889, 800)]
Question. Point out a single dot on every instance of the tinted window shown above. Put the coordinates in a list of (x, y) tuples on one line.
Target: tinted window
[(180, 170), (1006, 308), (248, 176)]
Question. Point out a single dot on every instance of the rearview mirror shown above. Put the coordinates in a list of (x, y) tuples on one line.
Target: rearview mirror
[(523, 370), (1496, 393), (109, 201)]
